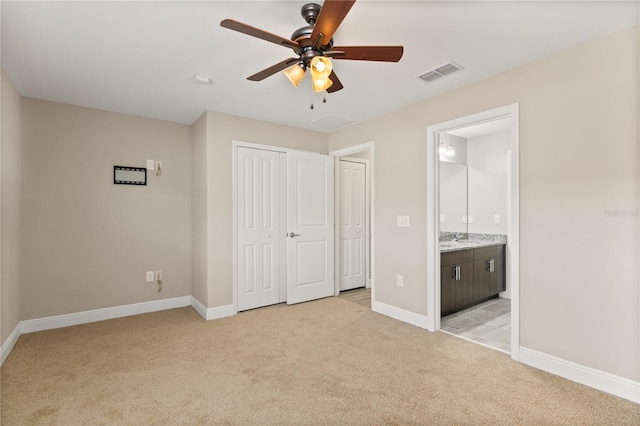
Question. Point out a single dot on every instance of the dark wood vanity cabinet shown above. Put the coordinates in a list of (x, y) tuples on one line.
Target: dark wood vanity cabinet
[(456, 279), (471, 276)]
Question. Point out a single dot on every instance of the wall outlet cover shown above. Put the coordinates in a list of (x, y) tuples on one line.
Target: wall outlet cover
[(403, 221), (151, 165), (150, 276)]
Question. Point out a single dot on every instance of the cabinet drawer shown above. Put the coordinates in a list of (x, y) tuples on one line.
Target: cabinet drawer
[(488, 252), (456, 257)]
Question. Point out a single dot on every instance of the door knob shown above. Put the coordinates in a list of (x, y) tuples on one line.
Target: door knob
[(291, 235)]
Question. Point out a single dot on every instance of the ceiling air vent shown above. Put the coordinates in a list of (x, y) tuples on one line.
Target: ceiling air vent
[(440, 72), (331, 121)]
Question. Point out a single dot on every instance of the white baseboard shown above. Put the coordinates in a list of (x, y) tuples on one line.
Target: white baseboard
[(212, 313), (400, 314), (11, 341), (199, 307), (606, 382), (59, 321)]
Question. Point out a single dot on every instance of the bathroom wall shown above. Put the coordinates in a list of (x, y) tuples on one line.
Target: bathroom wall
[(488, 182)]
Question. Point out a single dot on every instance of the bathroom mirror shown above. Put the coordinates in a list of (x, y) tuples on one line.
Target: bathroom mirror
[(453, 197)]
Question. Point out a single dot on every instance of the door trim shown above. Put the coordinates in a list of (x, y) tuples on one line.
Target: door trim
[(371, 182), (513, 233)]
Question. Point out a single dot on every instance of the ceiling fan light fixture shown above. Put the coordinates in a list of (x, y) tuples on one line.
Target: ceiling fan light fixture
[(295, 74), (320, 67), (320, 85)]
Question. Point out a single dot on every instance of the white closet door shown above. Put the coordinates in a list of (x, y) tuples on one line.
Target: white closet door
[(259, 230), (310, 219), (352, 225)]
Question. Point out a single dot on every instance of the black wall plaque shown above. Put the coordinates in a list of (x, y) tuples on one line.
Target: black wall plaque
[(123, 175)]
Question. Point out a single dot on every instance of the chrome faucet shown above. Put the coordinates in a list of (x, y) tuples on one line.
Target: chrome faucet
[(458, 236)]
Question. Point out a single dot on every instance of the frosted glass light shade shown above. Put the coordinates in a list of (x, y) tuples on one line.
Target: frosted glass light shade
[(320, 67), (295, 73), (321, 84), (451, 151)]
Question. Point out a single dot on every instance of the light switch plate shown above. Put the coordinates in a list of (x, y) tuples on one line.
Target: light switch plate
[(151, 165), (400, 281), (469, 219), (403, 221), (442, 218), (496, 219), (465, 219), (150, 277)]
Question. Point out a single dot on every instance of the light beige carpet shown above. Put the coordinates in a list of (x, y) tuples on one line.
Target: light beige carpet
[(325, 362)]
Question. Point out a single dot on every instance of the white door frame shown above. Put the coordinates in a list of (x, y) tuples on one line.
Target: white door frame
[(367, 213), (513, 233), (344, 153)]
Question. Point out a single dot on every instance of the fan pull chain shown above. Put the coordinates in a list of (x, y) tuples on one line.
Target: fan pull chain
[(311, 107)]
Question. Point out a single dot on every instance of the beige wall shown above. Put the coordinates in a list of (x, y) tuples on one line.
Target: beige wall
[(86, 243), (488, 182), (222, 130), (11, 214), (579, 157)]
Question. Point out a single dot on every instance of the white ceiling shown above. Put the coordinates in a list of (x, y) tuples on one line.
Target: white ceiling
[(141, 58)]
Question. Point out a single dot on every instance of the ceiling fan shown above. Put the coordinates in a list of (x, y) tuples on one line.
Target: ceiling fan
[(313, 46)]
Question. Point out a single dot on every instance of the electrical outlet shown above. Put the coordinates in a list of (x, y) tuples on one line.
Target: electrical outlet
[(400, 281), (443, 219), (150, 276), (469, 219), (158, 276), (159, 165), (496, 219), (151, 165)]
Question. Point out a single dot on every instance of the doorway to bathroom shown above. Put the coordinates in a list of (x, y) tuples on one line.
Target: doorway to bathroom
[(473, 255)]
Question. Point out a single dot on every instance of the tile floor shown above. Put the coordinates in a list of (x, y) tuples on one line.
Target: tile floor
[(488, 323)]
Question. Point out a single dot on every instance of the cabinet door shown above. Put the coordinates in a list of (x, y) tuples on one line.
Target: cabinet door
[(482, 280), (447, 289), (498, 281), (464, 286)]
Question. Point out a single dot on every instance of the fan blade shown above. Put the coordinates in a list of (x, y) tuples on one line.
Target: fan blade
[(257, 32), (336, 83), (267, 72), (369, 53), (331, 15)]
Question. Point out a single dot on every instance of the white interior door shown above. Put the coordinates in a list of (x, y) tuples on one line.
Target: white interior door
[(259, 228), (352, 225), (310, 230)]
